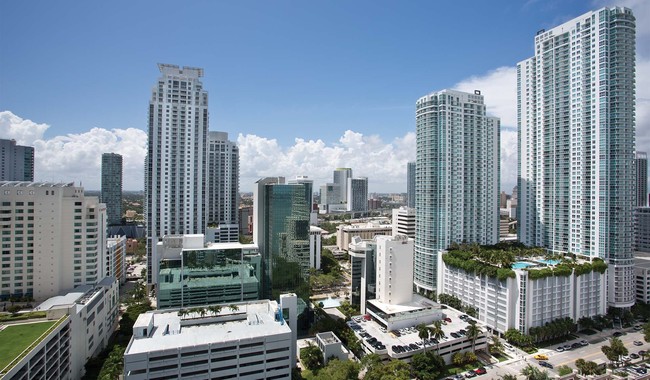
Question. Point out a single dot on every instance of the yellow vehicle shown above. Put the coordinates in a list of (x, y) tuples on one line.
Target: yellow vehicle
[(540, 357)]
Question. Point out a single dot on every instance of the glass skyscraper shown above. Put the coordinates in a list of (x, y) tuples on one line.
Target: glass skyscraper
[(457, 178), (112, 187), (576, 107), (281, 231), (410, 184)]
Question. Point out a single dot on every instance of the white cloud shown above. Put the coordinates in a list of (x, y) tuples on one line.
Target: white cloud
[(384, 163), (24, 131), (78, 157), (499, 88)]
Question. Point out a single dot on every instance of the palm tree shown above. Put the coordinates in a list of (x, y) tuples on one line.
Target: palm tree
[(436, 332), (202, 312), (214, 310), (233, 308), (533, 373), (424, 333), (508, 376), (473, 331)]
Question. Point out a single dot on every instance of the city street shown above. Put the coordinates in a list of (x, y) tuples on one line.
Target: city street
[(591, 352)]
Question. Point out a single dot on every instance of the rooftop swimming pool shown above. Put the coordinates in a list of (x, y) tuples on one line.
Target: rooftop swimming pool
[(328, 302), (549, 262), (521, 264)]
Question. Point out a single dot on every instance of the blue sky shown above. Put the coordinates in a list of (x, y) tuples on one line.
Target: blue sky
[(343, 72)]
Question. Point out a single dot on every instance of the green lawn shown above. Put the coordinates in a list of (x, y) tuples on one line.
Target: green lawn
[(14, 339)]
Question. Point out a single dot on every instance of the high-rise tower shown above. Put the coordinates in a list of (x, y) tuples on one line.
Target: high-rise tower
[(641, 179), (223, 186), (175, 167), (112, 187), (457, 177), (410, 184), (16, 161), (341, 176), (576, 143)]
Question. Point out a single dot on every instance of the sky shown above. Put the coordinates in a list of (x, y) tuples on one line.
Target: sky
[(302, 87)]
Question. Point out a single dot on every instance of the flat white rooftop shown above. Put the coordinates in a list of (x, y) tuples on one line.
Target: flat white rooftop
[(171, 331)]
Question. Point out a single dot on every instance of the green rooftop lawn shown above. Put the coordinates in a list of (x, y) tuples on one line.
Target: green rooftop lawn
[(15, 338)]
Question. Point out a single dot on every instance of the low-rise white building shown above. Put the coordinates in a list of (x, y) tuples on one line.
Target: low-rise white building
[(77, 327), (404, 221), (366, 231), (331, 346), (526, 299), (250, 342)]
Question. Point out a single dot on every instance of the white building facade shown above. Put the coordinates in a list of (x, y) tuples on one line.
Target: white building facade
[(523, 302), (404, 221), (223, 187), (53, 239), (457, 177), (251, 342), (175, 166), (116, 258), (576, 107)]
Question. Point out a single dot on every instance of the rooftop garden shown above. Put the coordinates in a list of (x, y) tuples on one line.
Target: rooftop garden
[(497, 260), (15, 339)]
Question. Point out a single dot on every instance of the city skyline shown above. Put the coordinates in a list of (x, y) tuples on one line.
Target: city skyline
[(343, 102)]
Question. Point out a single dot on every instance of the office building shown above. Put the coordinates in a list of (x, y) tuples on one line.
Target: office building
[(404, 221), (53, 239), (357, 194), (366, 231), (410, 184), (457, 177), (195, 274), (281, 215), (248, 341), (331, 346), (536, 291), (641, 179), (330, 194), (111, 194), (175, 166), (223, 187), (116, 258), (16, 161), (341, 176), (576, 110), (642, 275), (363, 272), (315, 244), (641, 241), (77, 327), (246, 220)]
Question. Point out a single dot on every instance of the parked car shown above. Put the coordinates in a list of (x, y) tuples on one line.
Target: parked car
[(634, 356), (559, 349), (567, 347), (576, 345), (480, 371), (470, 374), (584, 343), (617, 334), (546, 364), (448, 320), (638, 343)]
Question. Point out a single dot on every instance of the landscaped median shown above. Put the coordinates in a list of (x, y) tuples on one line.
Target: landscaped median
[(16, 341)]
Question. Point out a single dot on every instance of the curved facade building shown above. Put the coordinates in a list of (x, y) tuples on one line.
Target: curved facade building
[(456, 178)]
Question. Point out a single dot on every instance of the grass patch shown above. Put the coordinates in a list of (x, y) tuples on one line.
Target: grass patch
[(14, 339), (588, 332), (500, 357)]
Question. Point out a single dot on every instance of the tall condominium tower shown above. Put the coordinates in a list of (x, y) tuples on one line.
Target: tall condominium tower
[(175, 167), (641, 179), (576, 143), (357, 194), (281, 231), (341, 176), (112, 187), (54, 239), (457, 177), (410, 185), (223, 186), (16, 161)]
